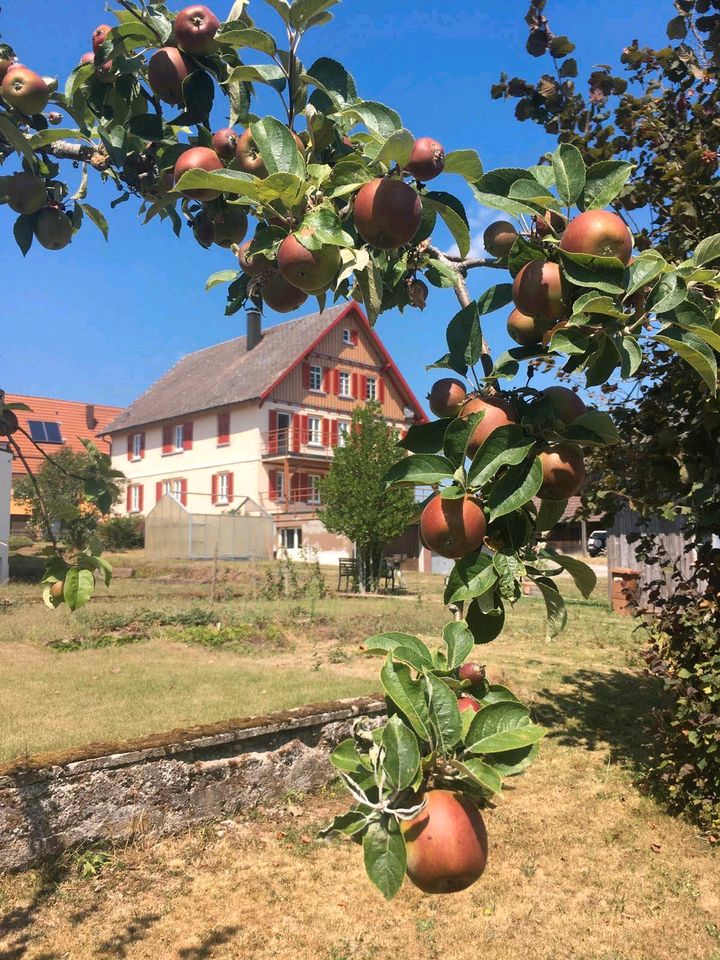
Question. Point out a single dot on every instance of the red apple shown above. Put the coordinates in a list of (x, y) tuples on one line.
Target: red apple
[(25, 90), (195, 29), (198, 158), (100, 36), (467, 702), (166, 71)]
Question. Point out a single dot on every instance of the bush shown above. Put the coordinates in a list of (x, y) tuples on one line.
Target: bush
[(27, 569), (295, 579), (123, 533), (18, 541)]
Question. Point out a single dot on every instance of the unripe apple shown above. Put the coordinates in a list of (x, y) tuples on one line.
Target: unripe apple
[(53, 229), (280, 295), (57, 591), (566, 403), (563, 469), (498, 413), (537, 291), (26, 193), (166, 71), (427, 159), (467, 702), (499, 238), (230, 225), (527, 331), (225, 143), (446, 843), (195, 29), (453, 527), (446, 397), (253, 264), (309, 270), (9, 423), (25, 90), (599, 233), (99, 36), (387, 213), (474, 672), (198, 158)]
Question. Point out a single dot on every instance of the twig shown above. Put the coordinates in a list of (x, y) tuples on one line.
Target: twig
[(43, 511), (133, 12), (72, 476)]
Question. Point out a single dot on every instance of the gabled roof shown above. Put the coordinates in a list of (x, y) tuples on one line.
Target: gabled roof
[(77, 420), (229, 374)]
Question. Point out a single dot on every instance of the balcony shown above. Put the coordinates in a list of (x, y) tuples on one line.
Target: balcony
[(304, 498), (293, 442)]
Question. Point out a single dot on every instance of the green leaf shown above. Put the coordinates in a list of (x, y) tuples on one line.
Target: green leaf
[(79, 587), (375, 116), (505, 445), (391, 642), (603, 182), (385, 856), (268, 73), (593, 426), (513, 762), (420, 469), (45, 137), (644, 270), (569, 170), (425, 437), (707, 250), (694, 351), (370, 284), (485, 626), (600, 273), (465, 163), (252, 37), (471, 576), (402, 754), (457, 436), (670, 291), (493, 189), (459, 642), (302, 12), (510, 569), (554, 606), (444, 714), (24, 232), (479, 772), (17, 140), (326, 228), (452, 212), (346, 757), (334, 81), (534, 195), (198, 95), (222, 276), (396, 149), (96, 217), (499, 717), (282, 7), (630, 356), (464, 338), (602, 362), (494, 298), (499, 694), (595, 303), (407, 695), (350, 823), (277, 147), (348, 176), (516, 487), (583, 575), (510, 739)]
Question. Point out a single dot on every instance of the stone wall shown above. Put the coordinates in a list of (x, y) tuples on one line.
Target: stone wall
[(166, 783)]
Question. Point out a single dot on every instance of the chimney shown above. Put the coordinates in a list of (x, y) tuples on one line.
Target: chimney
[(254, 329), (90, 418)]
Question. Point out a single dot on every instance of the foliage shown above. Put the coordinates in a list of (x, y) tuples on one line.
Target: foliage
[(123, 533), (354, 499), (668, 464), (294, 579)]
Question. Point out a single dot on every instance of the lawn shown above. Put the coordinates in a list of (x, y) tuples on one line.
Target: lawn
[(583, 865)]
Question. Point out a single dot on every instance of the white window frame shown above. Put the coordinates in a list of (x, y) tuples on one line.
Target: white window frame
[(314, 431), (223, 489), (347, 336), (137, 446), (179, 435), (280, 491), (296, 538), (314, 494), (343, 432), (135, 498), (371, 388), (316, 378), (342, 392)]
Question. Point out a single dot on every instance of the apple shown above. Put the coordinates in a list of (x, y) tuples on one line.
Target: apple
[(566, 403), (497, 411), (446, 843), (537, 291), (230, 225), (599, 233), (253, 264), (280, 295), (499, 238), (225, 143), (446, 397), (563, 470), (248, 156), (203, 230), (167, 69), (453, 527), (99, 36), (527, 331), (387, 213), (26, 193), (198, 158), (53, 229), (7, 59), (9, 423), (195, 29), (474, 672), (87, 58), (467, 702), (25, 90), (427, 159), (550, 224), (309, 270)]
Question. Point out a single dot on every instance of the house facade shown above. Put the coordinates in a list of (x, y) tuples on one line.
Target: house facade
[(260, 416)]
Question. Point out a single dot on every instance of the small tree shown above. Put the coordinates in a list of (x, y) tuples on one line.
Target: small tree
[(355, 501)]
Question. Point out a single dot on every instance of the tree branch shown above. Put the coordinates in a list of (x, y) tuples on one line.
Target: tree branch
[(33, 479)]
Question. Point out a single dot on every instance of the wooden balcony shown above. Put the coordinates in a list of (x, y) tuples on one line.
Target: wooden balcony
[(278, 444)]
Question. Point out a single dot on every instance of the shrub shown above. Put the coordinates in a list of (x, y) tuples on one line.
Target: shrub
[(123, 533), (295, 579), (18, 541)]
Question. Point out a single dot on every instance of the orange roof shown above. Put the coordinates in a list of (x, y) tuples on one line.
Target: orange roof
[(76, 421)]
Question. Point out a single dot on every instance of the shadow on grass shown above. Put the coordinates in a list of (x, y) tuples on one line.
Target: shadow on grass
[(593, 709), (206, 948), (16, 926), (134, 932)]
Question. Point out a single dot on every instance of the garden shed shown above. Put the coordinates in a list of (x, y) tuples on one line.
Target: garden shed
[(172, 532)]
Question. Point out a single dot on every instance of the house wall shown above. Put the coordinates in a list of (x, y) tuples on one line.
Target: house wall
[(5, 486)]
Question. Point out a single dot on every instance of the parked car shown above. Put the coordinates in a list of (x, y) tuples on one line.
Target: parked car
[(597, 543)]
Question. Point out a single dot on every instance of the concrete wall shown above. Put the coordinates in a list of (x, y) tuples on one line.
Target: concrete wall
[(164, 784), (5, 488)]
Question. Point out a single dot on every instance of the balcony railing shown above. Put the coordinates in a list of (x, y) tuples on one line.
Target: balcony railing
[(295, 442), (303, 495)]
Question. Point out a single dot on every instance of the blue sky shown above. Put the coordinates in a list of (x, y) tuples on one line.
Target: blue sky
[(100, 322)]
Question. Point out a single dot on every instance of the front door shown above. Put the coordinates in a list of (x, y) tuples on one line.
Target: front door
[(283, 432)]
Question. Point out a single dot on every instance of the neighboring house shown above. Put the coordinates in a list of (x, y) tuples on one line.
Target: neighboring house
[(54, 425), (260, 416), (570, 534)]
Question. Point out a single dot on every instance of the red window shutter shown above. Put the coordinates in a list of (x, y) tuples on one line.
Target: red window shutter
[(272, 431), (141, 497), (142, 445), (188, 435), (295, 433), (130, 446), (306, 376), (296, 487), (183, 492), (167, 439), (336, 382), (129, 498), (326, 432), (326, 380), (304, 431), (273, 485), (214, 489), (230, 487), (158, 491), (381, 390), (354, 389), (335, 433), (363, 387), (355, 337), (223, 428)]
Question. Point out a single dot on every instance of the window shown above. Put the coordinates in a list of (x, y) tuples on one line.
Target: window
[(222, 488), (279, 486), (315, 430), (370, 388), (45, 431), (314, 489), (316, 377), (179, 436), (135, 498), (137, 446), (173, 487), (344, 385), (347, 335), (223, 429), (343, 432), (291, 538)]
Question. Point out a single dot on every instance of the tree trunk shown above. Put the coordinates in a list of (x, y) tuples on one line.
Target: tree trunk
[(369, 561)]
